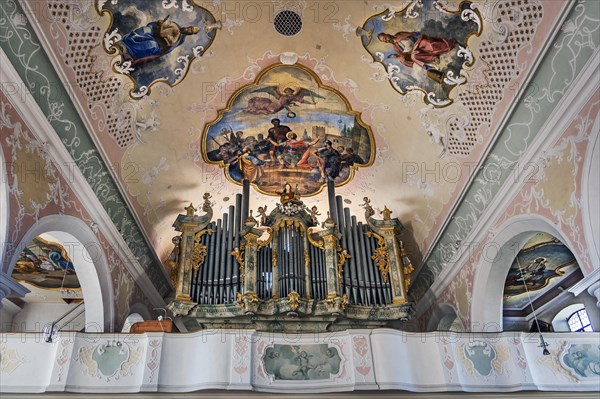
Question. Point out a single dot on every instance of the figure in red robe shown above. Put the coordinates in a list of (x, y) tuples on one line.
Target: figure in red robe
[(416, 48)]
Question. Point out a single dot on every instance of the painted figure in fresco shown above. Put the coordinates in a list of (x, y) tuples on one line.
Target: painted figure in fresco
[(296, 152), (154, 40), (350, 158), (305, 366), (262, 147), (249, 165), (584, 363), (533, 273), (328, 161), (415, 48), (268, 106), (277, 136)]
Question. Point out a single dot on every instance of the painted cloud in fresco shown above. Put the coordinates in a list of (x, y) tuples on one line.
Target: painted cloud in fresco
[(423, 47), (287, 127), (156, 41)]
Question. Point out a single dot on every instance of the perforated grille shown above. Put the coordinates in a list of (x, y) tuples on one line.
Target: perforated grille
[(288, 23), (97, 90), (501, 58)]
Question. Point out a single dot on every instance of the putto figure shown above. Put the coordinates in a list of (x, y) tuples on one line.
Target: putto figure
[(289, 97)]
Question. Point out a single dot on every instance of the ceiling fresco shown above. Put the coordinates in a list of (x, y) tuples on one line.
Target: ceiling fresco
[(288, 128), (148, 153), (45, 264), (541, 265), (423, 47), (156, 41)]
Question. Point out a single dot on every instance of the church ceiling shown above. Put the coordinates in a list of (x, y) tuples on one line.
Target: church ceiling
[(466, 89)]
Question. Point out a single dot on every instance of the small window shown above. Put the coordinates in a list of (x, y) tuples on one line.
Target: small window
[(579, 321)]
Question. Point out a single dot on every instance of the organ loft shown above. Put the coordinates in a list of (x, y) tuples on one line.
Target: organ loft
[(286, 272)]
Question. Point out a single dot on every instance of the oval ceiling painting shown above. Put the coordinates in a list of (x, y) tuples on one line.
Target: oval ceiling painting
[(423, 47), (287, 127)]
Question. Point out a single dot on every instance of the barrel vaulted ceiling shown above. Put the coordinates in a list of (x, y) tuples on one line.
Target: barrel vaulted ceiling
[(440, 144)]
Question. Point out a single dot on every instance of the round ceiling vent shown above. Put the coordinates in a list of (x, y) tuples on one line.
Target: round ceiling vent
[(288, 23)]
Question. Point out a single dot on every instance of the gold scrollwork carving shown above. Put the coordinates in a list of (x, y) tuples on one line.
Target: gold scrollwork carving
[(238, 254), (268, 240), (199, 251), (249, 298), (293, 300), (318, 244), (407, 266), (274, 257), (343, 257), (172, 261), (344, 301), (381, 255)]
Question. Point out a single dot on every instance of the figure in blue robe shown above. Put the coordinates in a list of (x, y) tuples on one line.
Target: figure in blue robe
[(154, 40)]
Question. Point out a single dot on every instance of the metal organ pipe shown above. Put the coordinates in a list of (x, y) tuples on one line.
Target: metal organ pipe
[(228, 275), (347, 274), (352, 261), (210, 264), (360, 264), (245, 200), (367, 264), (213, 272), (332, 201)]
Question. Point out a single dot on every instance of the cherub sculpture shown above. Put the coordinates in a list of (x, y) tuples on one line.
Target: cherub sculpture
[(314, 212), (367, 205), (262, 212)]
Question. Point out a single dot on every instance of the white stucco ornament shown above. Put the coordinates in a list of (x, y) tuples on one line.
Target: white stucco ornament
[(288, 58)]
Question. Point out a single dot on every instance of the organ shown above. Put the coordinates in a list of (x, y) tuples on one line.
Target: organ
[(287, 273)]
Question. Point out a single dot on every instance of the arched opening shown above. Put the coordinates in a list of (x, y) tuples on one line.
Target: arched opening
[(445, 318), (537, 282), (137, 313), (89, 263), (4, 208), (590, 188), (488, 286)]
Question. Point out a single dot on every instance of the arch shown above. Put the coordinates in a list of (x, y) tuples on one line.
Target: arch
[(490, 274), (131, 320), (4, 208), (445, 318), (559, 322), (90, 263), (590, 192)]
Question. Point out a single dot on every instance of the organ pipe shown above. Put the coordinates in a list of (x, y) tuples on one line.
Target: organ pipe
[(345, 263)]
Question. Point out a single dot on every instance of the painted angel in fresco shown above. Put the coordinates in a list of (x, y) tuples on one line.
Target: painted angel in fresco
[(154, 40), (268, 106), (415, 48)]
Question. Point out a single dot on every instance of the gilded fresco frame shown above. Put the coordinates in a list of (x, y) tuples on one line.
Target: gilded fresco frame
[(255, 84)]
